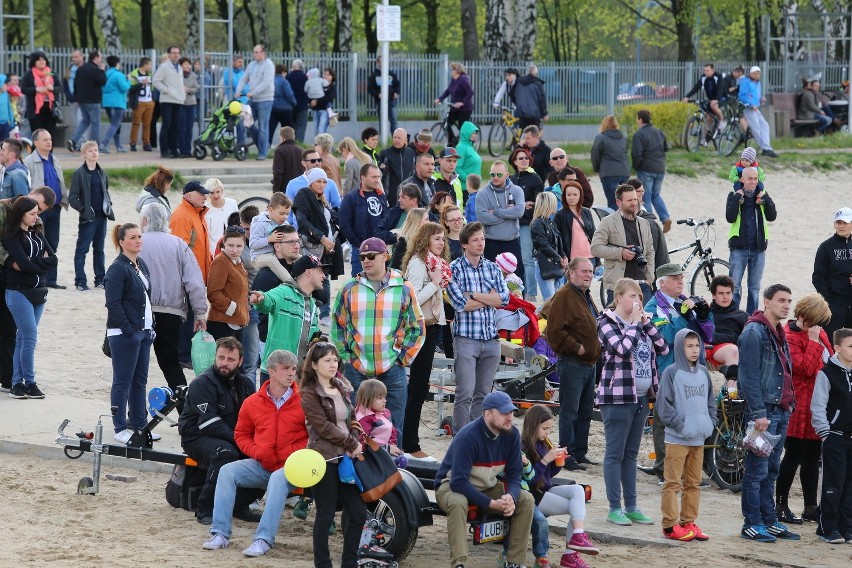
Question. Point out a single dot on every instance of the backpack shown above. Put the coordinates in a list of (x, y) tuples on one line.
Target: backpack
[(183, 487)]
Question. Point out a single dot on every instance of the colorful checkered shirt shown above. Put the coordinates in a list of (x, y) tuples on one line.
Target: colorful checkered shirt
[(485, 277), (375, 330)]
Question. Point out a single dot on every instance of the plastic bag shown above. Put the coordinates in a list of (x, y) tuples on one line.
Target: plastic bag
[(760, 443), (203, 352)]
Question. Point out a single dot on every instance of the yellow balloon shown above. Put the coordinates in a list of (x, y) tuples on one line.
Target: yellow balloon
[(235, 107), (304, 468)]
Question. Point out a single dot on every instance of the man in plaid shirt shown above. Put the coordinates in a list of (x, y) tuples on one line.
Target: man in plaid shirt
[(476, 290), (378, 327)]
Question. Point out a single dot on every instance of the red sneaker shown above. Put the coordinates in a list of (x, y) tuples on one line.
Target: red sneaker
[(581, 543), (542, 563), (680, 533), (699, 534), (572, 561)]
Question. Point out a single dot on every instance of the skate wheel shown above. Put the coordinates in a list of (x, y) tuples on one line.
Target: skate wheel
[(84, 486)]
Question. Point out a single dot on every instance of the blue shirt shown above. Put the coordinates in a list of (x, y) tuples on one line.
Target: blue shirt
[(486, 276), (51, 179)]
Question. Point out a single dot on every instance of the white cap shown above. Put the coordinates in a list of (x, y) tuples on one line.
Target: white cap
[(753, 69), (843, 214)]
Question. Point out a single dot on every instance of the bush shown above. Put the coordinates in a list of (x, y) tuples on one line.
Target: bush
[(670, 117)]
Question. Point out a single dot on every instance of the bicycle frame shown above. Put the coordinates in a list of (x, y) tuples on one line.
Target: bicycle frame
[(697, 250), (510, 120)]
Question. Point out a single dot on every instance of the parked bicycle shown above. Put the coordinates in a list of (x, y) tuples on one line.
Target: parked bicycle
[(504, 134), (697, 132), (443, 131), (724, 454), (708, 266), (733, 135)]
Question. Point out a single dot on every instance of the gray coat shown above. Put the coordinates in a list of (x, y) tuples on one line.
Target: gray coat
[(36, 169), (609, 154), (174, 274)]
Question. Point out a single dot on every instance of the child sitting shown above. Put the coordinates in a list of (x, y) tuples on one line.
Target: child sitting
[(687, 409), (473, 182), (508, 263), (747, 159), (372, 414), (262, 232)]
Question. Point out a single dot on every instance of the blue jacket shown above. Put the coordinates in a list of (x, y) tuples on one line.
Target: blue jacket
[(750, 92), (231, 79), (7, 115), (760, 375), (126, 295), (16, 181), (284, 97), (669, 322), (361, 213), (114, 94)]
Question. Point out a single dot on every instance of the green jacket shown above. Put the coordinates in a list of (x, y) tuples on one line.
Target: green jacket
[(289, 309), (469, 160)]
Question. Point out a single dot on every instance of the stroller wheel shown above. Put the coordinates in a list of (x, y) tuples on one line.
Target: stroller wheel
[(199, 151), (241, 152), (218, 154)]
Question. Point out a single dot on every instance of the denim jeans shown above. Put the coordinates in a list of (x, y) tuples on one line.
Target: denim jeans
[(50, 219), (623, 425), (320, 121), (300, 120), (824, 121), (249, 473), (187, 122), (530, 270), (546, 287), (90, 234), (754, 260), (393, 113), (131, 353), (356, 262), (653, 184), (576, 400), (758, 496), (26, 317), (610, 183), (397, 384), (260, 130), (540, 535), (115, 115), (251, 345), (91, 119)]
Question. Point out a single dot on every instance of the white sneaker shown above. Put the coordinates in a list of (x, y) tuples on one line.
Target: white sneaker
[(155, 437), (723, 125), (292, 502), (426, 459), (124, 436), (258, 548), (216, 542)]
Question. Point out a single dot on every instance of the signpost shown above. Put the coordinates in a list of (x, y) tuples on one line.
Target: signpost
[(388, 29)]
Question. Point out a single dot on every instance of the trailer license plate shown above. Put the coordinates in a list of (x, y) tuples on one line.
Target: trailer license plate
[(493, 532)]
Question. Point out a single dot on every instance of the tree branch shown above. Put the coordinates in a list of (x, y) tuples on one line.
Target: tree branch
[(640, 15)]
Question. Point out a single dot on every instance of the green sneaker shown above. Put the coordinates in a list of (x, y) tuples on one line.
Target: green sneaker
[(639, 517), (300, 511), (619, 518)]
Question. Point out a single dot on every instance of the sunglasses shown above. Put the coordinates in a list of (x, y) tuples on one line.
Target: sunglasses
[(369, 256), (314, 160), (562, 157), (497, 175), (522, 157), (235, 229)]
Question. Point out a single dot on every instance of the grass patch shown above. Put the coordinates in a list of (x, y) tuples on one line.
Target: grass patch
[(830, 142)]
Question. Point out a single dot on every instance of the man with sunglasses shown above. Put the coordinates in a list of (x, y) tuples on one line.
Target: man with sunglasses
[(378, 327), (363, 211), (499, 207), (311, 159), (558, 162)]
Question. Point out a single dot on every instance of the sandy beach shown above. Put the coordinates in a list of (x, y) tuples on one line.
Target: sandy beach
[(131, 523)]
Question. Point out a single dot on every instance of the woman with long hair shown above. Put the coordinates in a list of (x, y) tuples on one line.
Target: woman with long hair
[(314, 220), (416, 218), (130, 324), (353, 159), (329, 413), (609, 158), (114, 103), (322, 105), (38, 86), (452, 219), (574, 222), (629, 379), (427, 266), (324, 144), (440, 201), (532, 185), (26, 290), (550, 258), (157, 184)]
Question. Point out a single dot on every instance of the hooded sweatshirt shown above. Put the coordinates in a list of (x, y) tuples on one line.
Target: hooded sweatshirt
[(831, 404), (469, 160), (685, 401), (832, 267), (507, 207)]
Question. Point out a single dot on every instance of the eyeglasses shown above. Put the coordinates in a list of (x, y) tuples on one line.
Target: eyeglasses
[(371, 256), (562, 157), (454, 220), (523, 157), (497, 175), (235, 229), (314, 160), (291, 242)]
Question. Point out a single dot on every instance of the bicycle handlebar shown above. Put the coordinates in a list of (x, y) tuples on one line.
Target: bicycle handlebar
[(690, 222)]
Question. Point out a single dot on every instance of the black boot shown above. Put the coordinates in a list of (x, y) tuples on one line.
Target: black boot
[(785, 515), (811, 513), (730, 372)]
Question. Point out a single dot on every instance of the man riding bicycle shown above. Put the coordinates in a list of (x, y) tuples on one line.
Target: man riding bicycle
[(709, 81), (507, 87)]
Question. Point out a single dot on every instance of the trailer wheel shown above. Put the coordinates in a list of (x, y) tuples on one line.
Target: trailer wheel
[(400, 536), (84, 485), (447, 425)]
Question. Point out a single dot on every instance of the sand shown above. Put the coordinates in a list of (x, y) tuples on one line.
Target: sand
[(131, 522)]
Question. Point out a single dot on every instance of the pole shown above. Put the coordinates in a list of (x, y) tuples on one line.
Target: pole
[(848, 77), (383, 117)]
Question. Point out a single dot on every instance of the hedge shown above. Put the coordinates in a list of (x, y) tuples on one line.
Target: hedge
[(670, 117)]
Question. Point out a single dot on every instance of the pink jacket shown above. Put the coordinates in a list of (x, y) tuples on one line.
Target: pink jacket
[(377, 425)]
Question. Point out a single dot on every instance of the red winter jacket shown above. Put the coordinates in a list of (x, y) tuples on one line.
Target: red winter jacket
[(807, 362), (268, 434)]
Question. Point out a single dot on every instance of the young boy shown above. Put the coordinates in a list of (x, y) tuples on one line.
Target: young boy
[(747, 159), (687, 409), (263, 232), (473, 182), (833, 398)]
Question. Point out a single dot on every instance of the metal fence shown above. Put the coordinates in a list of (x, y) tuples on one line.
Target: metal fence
[(576, 91)]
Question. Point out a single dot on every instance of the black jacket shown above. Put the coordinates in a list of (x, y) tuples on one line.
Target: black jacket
[(212, 406), (27, 250), (389, 223), (649, 150), (310, 216), (374, 84), (733, 212), (328, 97), (80, 196), (661, 247), (609, 154), (88, 84), (564, 221), (540, 160), (710, 86), (286, 165), (532, 185), (125, 295), (530, 102), (396, 164), (832, 268), (297, 80), (547, 245), (729, 323), (727, 87), (427, 188), (28, 88)]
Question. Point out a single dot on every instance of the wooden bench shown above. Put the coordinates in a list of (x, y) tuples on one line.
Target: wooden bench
[(788, 105)]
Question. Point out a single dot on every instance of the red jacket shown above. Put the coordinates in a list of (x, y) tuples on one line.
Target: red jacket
[(807, 362), (268, 434)]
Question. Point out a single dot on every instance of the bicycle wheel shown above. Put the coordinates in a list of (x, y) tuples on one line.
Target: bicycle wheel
[(439, 135), (724, 456), (259, 202), (694, 133), (699, 284), (498, 139), (730, 138)]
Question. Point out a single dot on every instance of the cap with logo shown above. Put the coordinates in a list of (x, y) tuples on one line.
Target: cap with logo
[(305, 263), (195, 186)]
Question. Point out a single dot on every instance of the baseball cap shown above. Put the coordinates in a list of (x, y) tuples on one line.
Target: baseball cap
[(195, 186), (448, 152), (305, 263), (670, 269), (754, 68), (499, 401), (844, 214), (373, 244)]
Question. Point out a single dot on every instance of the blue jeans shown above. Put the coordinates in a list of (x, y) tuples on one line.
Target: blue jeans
[(653, 184), (576, 400), (249, 473), (755, 260), (50, 218), (623, 425), (397, 384), (610, 183), (187, 122), (320, 121), (91, 119), (131, 353), (540, 535), (758, 497), (260, 131), (90, 234), (251, 345), (300, 119), (356, 261), (530, 270), (26, 317), (115, 115)]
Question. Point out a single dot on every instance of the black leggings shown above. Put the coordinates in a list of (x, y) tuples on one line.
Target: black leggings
[(804, 453), (418, 389), (328, 493)]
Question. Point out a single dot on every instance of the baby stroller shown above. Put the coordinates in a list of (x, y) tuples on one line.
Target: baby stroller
[(220, 136)]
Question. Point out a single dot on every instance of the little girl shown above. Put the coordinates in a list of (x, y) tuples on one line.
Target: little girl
[(554, 499), (315, 85), (747, 159), (372, 414), (508, 263)]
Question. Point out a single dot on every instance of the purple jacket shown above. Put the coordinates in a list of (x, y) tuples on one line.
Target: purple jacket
[(460, 90), (618, 340)]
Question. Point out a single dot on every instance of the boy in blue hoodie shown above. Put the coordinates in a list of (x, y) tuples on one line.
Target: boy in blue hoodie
[(687, 409)]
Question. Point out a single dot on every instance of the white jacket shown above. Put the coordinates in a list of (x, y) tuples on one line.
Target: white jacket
[(168, 80)]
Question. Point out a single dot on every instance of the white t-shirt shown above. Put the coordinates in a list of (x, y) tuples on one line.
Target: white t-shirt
[(217, 220)]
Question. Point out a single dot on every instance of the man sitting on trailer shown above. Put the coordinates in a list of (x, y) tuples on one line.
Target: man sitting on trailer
[(271, 426)]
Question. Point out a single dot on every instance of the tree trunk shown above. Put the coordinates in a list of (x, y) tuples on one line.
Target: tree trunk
[(493, 33), (322, 24), (192, 31), (90, 21), (81, 25), (146, 10), (261, 13), (285, 25), (683, 12), (470, 34), (369, 30), (748, 36), (524, 29), (432, 8), (109, 26), (247, 10), (60, 24), (299, 25), (343, 27)]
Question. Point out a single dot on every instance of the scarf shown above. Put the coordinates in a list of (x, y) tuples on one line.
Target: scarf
[(436, 263), (43, 78), (422, 147)]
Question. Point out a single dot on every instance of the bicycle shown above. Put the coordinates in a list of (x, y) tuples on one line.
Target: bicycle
[(443, 130), (696, 133), (498, 135), (732, 136), (724, 454), (708, 266)]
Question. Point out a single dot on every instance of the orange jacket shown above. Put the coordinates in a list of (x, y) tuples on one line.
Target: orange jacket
[(267, 434), (189, 224)]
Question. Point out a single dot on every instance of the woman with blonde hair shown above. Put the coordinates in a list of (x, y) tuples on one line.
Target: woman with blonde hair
[(415, 218), (609, 158), (550, 258), (353, 159), (324, 144)]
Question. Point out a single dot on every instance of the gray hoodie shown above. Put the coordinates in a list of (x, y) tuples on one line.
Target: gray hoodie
[(685, 401), (501, 224)]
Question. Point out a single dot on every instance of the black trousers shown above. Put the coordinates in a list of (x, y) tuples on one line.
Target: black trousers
[(167, 327), (418, 389), (220, 329), (804, 454), (279, 117), (841, 316), (836, 500), (170, 129), (211, 454), (8, 329), (493, 248), (523, 122), (455, 120), (328, 493)]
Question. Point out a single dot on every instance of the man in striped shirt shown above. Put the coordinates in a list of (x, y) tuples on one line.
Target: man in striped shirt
[(476, 290), (378, 327)]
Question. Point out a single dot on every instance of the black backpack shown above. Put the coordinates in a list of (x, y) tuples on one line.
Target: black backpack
[(184, 486)]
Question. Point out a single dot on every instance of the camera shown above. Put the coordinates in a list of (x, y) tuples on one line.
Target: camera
[(640, 256)]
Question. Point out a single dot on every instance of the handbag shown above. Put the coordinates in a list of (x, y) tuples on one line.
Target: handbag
[(36, 296), (376, 471), (309, 248), (57, 114), (105, 346)]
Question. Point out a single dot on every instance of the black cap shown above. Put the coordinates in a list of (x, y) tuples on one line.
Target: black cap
[(305, 263), (195, 186)]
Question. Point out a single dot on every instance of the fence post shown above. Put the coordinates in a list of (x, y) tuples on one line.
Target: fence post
[(444, 70), (353, 87), (610, 89), (687, 80)]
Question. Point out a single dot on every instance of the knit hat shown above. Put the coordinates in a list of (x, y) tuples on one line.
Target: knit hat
[(749, 154), (507, 262), (314, 174), (424, 135)]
